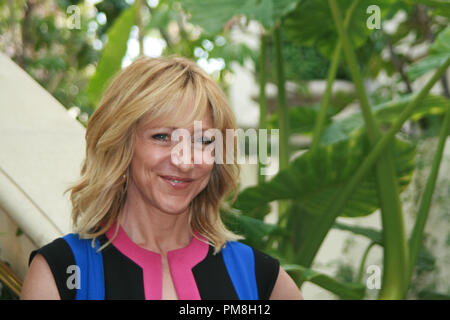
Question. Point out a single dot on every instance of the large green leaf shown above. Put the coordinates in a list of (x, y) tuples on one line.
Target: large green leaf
[(345, 290), (374, 235), (111, 59), (254, 230), (313, 178), (385, 113), (311, 23), (212, 15), (301, 118), (300, 226), (439, 53)]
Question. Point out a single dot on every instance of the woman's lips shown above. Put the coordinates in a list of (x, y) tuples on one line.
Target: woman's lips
[(177, 183)]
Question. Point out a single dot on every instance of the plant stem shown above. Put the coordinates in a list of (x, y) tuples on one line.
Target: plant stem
[(363, 261), (415, 240), (320, 123), (394, 239), (262, 95), (282, 109)]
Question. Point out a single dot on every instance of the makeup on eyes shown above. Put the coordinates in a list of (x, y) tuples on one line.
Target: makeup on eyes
[(165, 135)]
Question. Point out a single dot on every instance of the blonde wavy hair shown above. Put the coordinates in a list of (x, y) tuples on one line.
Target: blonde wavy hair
[(150, 89)]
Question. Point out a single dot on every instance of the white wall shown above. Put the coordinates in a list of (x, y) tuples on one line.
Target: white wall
[(41, 149)]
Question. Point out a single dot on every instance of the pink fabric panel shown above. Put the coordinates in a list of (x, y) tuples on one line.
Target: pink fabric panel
[(181, 261), (149, 261)]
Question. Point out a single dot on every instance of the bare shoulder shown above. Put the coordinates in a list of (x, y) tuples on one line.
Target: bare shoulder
[(39, 283), (285, 288)]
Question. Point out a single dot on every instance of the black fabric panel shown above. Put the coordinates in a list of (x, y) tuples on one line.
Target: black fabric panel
[(124, 279), (59, 257), (266, 272), (213, 281)]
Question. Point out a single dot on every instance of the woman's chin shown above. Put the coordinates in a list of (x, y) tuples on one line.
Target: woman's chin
[(175, 208)]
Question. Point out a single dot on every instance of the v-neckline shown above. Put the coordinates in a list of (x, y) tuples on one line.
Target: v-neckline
[(124, 240), (181, 261)]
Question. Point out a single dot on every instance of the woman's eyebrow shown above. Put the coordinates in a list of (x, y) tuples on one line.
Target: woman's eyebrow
[(191, 129), (158, 128)]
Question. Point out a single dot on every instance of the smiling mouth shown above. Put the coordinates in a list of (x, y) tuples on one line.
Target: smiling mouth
[(177, 182), (177, 179)]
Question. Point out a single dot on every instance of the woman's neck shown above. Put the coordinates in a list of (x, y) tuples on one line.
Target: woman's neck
[(153, 229)]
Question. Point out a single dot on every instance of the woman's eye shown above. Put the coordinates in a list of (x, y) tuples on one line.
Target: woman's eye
[(206, 140), (161, 137)]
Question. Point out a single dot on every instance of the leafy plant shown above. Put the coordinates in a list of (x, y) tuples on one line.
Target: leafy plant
[(354, 165), (113, 53)]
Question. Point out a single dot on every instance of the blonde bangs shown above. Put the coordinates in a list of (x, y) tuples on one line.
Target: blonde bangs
[(167, 110)]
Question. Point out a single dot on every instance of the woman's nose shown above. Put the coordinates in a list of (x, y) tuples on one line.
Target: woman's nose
[(181, 155)]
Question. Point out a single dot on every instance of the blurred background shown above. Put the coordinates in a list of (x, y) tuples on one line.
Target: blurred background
[(283, 65)]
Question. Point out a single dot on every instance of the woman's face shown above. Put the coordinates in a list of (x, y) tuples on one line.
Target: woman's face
[(160, 175)]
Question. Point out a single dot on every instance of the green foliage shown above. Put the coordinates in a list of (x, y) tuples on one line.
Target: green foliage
[(301, 118), (375, 236), (345, 290), (255, 230), (302, 24), (267, 12), (112, 9), (113, 53), (439, 53), (438, 7), (313, 178), (386, 113), (302, 63), (39, 40)]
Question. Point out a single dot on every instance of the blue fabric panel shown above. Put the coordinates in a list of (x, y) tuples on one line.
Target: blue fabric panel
[(240, 263), (90, 262)]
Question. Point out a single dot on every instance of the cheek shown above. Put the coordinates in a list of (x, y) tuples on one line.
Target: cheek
[(208, 158), (150, 157), (206, 170), (145, 163)]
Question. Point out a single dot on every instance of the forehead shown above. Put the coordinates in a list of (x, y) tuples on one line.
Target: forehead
[(183, 118)]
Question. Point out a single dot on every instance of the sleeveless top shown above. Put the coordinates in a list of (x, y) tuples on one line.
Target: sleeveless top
[(124, 270)]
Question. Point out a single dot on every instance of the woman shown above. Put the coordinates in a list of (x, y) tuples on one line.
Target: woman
[(147, 221)]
